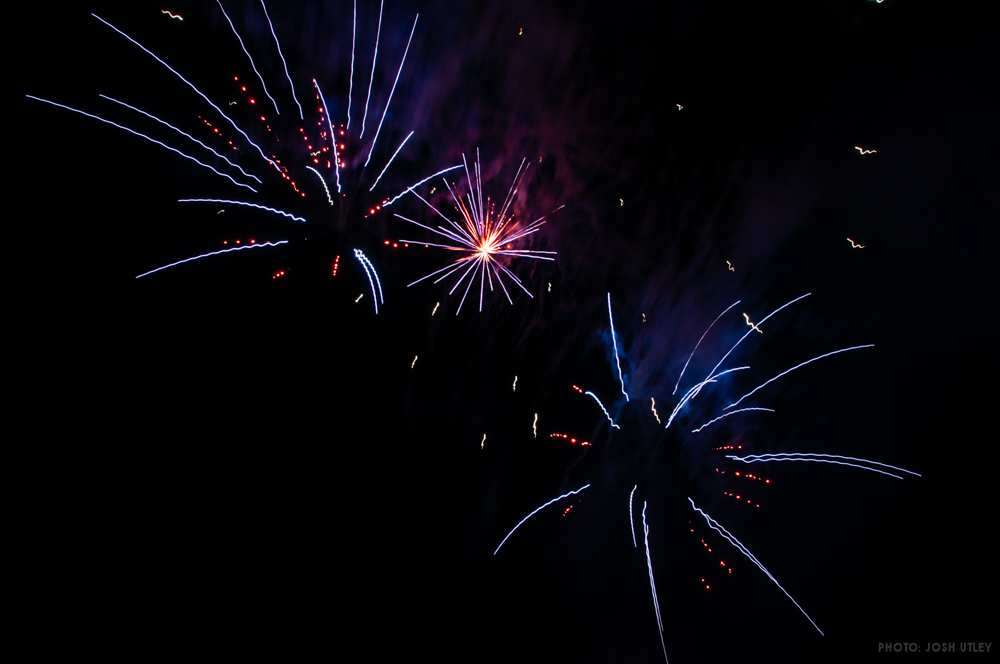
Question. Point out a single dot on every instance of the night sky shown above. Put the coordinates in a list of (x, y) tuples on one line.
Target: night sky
[(239, 465)]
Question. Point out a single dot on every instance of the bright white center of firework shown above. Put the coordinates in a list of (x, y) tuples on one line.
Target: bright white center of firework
[(487, 248)]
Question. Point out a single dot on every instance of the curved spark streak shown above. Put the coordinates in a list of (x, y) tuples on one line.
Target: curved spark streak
[(182, 133), (631, 519), (358, 255), (417, 184), (333, 138), (652, 406), (169, 13), (389, 163), (798, 366), (144, 136), (374, 273), (392, 90), (733, 412), (614, 344), (190, 85), (534, 427), (700, 339), (282, 56), (249, 57), (822, 458), (695, 390), (323, 182), (652, 582), (378, 34), (350, 85), (603, 409), (762, 321), (537, 510), (259, 245), (223, 201), (717, 527)]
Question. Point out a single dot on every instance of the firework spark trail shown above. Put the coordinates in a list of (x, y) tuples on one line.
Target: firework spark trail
[(172, 15), (392, 90), (182, 133), (257, 206), (374, 273), (694, 390), (434, 311), (378, 34), (603, 409), (748, 332), (753, 326), (732, 412), (414, 362), (350, 85), (364, 266), (717, 527), (855, 245), (534, 427), (700, 339), (281, 55), (258, 245), (652, 581), (863, 151), (389, 163), (822, 458), (631, 519), (190, 85), (323, 182), (417, 184), (144, 136), (333, 137), (614, 344), (798, 366), (652, 406), (249, 57), (537, 510)]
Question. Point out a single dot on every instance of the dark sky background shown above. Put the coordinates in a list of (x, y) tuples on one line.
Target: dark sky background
[(254, 467)]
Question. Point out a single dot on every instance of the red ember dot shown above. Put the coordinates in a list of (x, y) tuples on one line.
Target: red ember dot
[(252, 100)]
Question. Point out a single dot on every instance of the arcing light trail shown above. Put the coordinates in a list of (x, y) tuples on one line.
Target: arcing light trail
[(717, 527), (603, 409), (652, 581), (259, 245), (143, 136), (371, 79), (249, 57), (700, 339), (333, 137), (322, 181), (797, 366), (413, 186), (389, 163), (350, 85), (835, 459), (391, 91), (281, 55), (631, 519), (732, 412), (614, 345), (257, 206), (536, 511)]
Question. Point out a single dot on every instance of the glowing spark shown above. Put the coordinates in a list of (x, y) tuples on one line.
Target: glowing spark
[(358, 299), (652, 406), (614, 344), (223, 201), (732, 412), (482, 446), (182, 133), (534, 427), (798, 366), (536, 510), (333, 137), (700, 339), (631, 519), (434, 311), (520, 31), (389, 163), (835, 459), (322, 181), (350, 86), (249, 57), (282, 56), (855, 245), (717, 527), (643, 317), (190, 85), (414, 362), (515, 384), (220, 211), (603, 409), (730, 266), (391, 91), (177, 17), (652, 582), (414, 186), (679, 107), (144, 136), (550, 286), (863, 151), (751, 324), (258, 245), (371, 79), (621, 202)]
